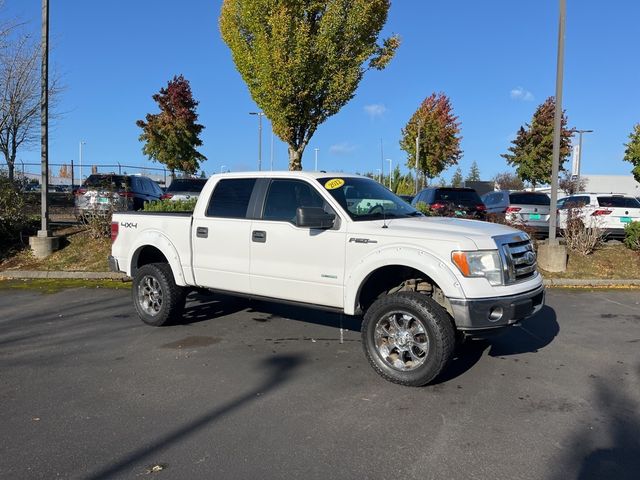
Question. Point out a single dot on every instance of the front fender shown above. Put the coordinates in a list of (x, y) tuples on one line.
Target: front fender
[(157, 239), (402, 255)]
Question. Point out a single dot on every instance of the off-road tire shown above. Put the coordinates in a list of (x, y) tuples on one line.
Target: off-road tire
[(156, 297), (431, 333)]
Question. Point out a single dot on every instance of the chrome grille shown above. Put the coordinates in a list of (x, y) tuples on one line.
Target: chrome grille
[(518, 257)]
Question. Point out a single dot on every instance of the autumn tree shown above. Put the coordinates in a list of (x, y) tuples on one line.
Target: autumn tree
[(474, 173), (508, 181), (65, 171), (632, 152), (171, 136), (532, 149), (457, 180), (302, 61), (439, 136)]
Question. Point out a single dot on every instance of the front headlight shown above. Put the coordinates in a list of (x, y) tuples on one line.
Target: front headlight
[(484, 263)]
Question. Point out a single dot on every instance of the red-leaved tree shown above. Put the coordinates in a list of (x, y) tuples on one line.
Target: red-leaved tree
[(438, 131), (171, 136)]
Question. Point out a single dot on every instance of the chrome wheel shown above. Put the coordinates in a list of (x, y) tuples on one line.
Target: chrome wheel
[(401, 341), (150, 295)]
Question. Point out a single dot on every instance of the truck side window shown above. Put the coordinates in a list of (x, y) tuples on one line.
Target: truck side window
[(230, 199), (284, 198)]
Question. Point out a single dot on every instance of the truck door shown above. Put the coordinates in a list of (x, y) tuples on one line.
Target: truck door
[(293, 263), (222, 237)]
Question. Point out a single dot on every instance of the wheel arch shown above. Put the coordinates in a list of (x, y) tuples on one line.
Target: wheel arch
[(389, 269), (154, 247)]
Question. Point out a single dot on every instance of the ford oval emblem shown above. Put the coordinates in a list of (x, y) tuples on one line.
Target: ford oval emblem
[(530, 257)]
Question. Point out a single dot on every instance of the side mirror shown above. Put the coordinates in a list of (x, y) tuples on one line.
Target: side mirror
[(314, 217)]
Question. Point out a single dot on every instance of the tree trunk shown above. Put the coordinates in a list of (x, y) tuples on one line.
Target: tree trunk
[(295, 158)]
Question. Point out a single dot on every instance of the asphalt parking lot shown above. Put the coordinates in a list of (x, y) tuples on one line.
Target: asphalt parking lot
[(255, 390)]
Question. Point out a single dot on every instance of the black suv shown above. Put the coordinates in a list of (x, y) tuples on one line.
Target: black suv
[(451, 201), (104, 192)]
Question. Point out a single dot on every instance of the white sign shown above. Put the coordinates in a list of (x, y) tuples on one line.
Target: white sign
[(575, 160)]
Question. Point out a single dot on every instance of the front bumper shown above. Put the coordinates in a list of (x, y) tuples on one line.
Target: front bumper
[(496, 312)]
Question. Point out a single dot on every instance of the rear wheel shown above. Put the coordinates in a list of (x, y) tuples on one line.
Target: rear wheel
[(156, 297), (408, 338)]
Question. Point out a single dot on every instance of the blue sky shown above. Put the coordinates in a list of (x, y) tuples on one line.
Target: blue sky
[(495, 60)]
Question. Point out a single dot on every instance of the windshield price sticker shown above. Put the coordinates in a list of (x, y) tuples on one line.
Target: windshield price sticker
[(334, 183)]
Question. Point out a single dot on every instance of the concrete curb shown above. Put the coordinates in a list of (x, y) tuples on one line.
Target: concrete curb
[(548, 282), (30, 274), (590, 282)]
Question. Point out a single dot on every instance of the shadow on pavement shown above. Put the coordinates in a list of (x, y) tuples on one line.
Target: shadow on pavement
[(531, 336), (280, 370), (614, 456)]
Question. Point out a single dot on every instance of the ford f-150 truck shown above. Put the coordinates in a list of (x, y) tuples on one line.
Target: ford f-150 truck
[(338, 242)]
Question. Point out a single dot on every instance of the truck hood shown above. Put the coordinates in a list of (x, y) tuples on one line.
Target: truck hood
[(466, 234)]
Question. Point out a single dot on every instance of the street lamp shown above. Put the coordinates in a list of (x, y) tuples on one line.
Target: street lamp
[(578, 162), (379, 174), (316, 150), (260, 115), (82, 142), (389, 160)]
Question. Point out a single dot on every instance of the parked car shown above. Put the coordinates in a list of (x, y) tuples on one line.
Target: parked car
[(610, 212), (110, 192), (530, 209), (184, 189), (452, 201)]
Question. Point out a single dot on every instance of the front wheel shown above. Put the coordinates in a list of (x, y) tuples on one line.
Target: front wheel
[(156, 297), (408, 338)]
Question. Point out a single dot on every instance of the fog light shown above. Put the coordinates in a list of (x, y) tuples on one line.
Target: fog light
[(495, 314)]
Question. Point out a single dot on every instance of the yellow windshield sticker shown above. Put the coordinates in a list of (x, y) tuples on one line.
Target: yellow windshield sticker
[(334, 183)]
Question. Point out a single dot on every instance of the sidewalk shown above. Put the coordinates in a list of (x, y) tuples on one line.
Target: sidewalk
[(549, 282)]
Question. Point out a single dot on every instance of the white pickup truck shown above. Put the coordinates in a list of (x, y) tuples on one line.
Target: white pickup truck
[(337, 242)]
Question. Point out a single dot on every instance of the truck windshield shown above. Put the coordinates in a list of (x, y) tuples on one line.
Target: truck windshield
[(365, 199)]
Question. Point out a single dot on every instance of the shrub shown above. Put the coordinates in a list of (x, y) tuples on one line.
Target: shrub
[(12, 212), (171, 205), (579, 237), (97, 221), (632, 235)]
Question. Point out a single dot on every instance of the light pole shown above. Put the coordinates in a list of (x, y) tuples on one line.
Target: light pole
[(316, 150), (555, 164), (222, 167), (379, 175), (417, 154), (260, 115), (82, 142), (578, 161), (389, 160)]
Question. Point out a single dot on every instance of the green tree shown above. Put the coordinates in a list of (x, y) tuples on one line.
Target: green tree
[(531, 151), (474, 173), (457, 180), (632, 152), (508, 181), (439, 136), (303, 60), (171, 136)]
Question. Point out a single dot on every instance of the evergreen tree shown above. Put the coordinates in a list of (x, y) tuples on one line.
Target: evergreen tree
[(474, 173), (632, 152), (457, 181), (531, 151)]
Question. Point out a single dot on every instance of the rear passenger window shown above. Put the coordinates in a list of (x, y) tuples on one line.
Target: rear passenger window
[(527, 198), (230, 199)]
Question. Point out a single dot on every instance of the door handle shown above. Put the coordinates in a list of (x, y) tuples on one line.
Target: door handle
[(202, 232), (259, 236)]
